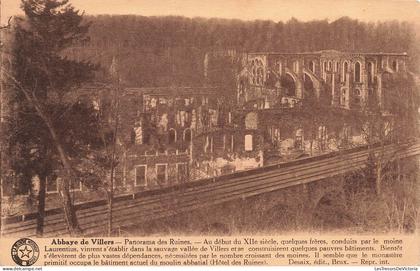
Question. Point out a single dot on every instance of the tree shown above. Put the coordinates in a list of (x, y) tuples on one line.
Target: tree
[(54, 122), (391, 121)]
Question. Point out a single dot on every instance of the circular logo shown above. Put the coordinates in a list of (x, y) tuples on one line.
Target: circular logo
[(25, 252)]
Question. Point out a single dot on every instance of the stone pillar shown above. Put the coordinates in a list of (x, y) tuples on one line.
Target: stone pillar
[(333, 94), (364, 90), (379, 90)]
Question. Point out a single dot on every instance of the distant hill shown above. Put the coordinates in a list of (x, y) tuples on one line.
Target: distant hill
[(163, 51)]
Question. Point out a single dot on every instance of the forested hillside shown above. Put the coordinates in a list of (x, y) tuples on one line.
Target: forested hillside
[(166, 51)]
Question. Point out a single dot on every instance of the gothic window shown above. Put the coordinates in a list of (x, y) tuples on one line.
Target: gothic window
[(172, 136), (187, 135), (357, 72), (345, 71), (370, 71)]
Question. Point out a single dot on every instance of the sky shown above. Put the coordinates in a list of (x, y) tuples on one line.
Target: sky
[(277, 10)]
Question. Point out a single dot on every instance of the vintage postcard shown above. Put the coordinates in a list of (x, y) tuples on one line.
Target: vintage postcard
[(233, 133)]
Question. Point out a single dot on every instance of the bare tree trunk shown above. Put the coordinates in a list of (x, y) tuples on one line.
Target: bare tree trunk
[(64, 187), (378, 178), (113, 157), (41, 206), (401, 220), (110, 195)]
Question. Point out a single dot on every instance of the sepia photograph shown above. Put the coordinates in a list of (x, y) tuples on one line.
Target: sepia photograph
[(127, 119)]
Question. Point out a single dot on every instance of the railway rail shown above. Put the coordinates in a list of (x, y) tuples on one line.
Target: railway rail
[(134, 209)]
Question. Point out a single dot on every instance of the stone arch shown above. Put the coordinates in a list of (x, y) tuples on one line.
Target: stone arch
[(278, 217), (288, 83), (330, 211), (311, 84), (289, 78), (308, 88), (312, 66)]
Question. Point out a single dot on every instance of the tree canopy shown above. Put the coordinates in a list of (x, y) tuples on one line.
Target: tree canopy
[(162, 51), (52, 127)]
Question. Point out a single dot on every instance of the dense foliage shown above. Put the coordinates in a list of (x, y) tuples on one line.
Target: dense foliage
[(171, 50), (51, 128)]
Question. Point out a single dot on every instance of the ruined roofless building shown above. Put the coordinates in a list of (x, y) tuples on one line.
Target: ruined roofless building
[(338, 79)]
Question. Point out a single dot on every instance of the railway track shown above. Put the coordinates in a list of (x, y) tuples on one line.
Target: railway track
[(141, 207)]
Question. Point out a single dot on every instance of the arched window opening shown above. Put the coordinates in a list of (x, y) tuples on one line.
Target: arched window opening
[(370, 71), (312, 66), (288, 85), (345, 71), (187, 135), (172, 136), (329, 65), (395, 65), (357, 72), (336, 67)]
